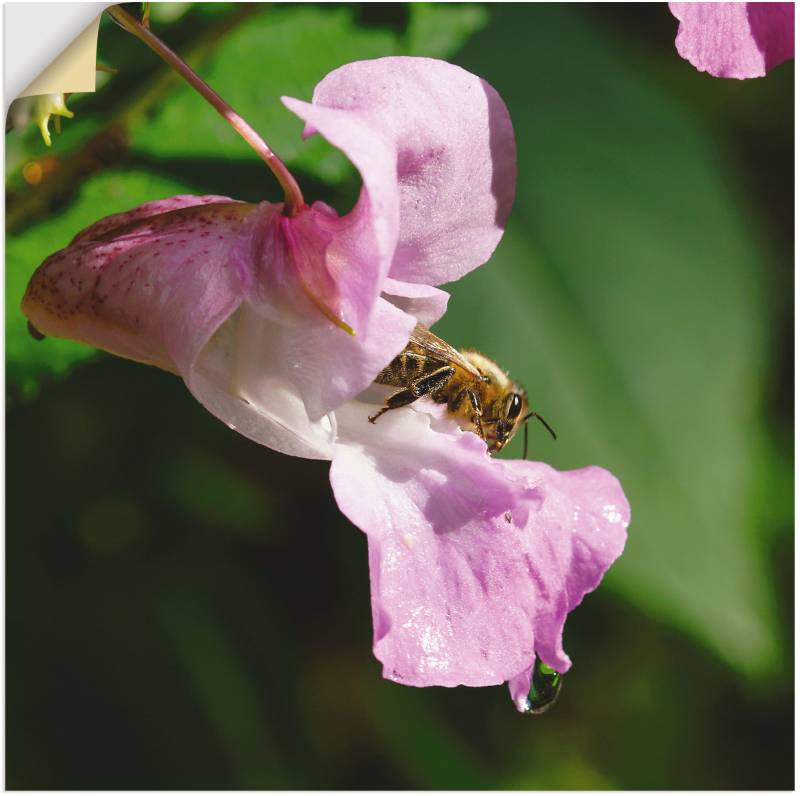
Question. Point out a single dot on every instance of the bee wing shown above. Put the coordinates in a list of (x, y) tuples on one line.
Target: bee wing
[(436, 349)]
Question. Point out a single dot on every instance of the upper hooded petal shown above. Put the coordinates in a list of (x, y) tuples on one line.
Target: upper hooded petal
[(152, 284), (164, 284), (442, 138), (738, 40), (474, 562)]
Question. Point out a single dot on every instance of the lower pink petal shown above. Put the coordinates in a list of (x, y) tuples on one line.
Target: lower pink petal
[(474, 562)]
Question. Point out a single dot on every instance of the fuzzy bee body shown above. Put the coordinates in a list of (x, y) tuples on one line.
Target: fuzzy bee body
[(479, 395)]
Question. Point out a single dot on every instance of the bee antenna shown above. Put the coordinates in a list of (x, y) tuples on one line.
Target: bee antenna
[(525, 447), (541, 420)]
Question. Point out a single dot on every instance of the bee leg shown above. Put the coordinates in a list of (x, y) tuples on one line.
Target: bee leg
[(418, 389), (395, 401), (476, 418)]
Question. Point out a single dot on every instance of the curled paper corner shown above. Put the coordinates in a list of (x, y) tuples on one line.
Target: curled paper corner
[(50, 48)]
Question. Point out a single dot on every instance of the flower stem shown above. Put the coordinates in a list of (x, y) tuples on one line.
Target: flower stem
[(291, 190)]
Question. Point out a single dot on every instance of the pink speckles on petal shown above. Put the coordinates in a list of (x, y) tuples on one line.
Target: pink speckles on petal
[(735, 40), (119, 287), (115, 223)]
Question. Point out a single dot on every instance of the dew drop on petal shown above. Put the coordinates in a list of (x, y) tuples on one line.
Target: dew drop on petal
[(545, 688), (612, 514)]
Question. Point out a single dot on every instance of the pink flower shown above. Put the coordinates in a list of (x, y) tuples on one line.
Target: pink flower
[(279, 324), (735, 39), (202, 285)]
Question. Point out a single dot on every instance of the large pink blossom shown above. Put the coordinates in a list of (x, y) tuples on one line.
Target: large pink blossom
[(739, 40), (279, 323)]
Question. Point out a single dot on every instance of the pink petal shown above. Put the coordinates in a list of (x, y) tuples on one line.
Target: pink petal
[(576, 533), (439, 133), (362, 243), (151, 285), (738, 40), (315, 360), (118, 221), (474, 562), (427, 304), (162, 284), (519, 686)]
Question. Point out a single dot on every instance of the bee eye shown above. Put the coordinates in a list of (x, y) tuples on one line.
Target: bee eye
[(514, 406)]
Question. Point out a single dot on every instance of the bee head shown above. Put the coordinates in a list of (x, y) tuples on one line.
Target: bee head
[(510, 417), (513, 414)]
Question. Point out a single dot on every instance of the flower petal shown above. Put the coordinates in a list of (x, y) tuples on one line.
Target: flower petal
[(575, 535), (427, 304), (519, 686), (151, 285), (474, 562), (739, 40), (444, 137), (161, 284), (320, 363), (241, 380), (363, 242)]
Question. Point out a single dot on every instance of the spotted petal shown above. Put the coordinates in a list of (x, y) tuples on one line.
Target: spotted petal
[(163, 284), (152, 284)]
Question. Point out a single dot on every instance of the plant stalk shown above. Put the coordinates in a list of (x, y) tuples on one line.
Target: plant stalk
[(291, 190)]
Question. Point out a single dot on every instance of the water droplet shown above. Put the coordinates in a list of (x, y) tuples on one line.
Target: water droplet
[(545, 688)]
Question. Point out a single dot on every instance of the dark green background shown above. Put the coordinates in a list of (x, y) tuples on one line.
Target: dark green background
[(186, 609)]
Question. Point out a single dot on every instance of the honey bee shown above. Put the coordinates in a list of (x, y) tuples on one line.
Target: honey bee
[(479, 395)]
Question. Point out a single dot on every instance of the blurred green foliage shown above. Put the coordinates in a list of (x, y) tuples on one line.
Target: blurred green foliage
[(188, 610)]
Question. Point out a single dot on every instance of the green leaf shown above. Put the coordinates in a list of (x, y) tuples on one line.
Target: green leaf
[(627, 296), (437, 30), (28, 360)]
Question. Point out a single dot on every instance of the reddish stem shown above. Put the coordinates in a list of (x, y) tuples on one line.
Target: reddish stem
[(291, 190)]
